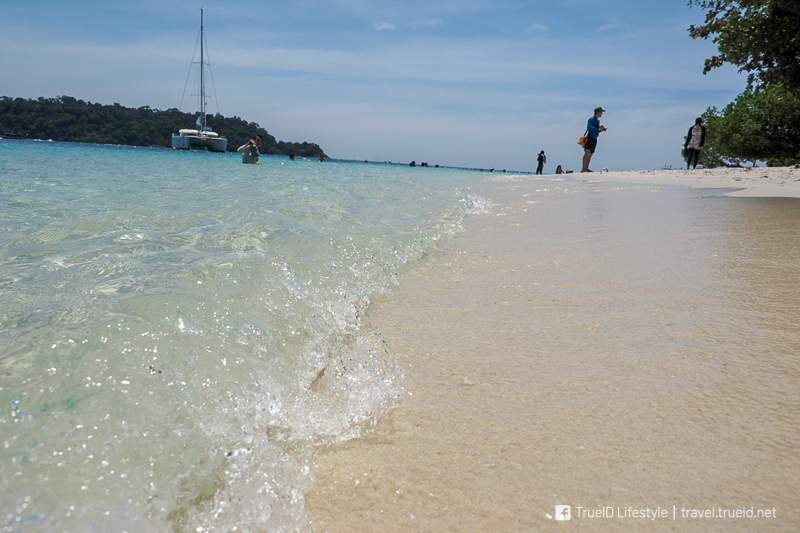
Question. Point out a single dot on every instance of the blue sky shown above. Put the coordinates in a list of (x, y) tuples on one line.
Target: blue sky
[(475, 83)]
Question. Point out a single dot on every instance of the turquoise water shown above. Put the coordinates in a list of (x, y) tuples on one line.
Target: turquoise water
[(178, 331)]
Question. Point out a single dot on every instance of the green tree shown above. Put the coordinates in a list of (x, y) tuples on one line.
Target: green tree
[(761, 37), (760, 125)]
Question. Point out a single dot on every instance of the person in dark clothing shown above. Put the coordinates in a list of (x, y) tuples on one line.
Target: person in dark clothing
[(542, 160), (695, 139)]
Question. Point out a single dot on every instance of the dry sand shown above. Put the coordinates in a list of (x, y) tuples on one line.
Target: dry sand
[(762, 182), (538, 374)]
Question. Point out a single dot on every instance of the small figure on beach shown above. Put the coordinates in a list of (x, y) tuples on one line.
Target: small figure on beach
[(695, 139), (593, 129), (541, 159), (559, 170), (249, 150)]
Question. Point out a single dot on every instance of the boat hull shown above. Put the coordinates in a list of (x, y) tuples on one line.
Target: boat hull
[(197, 142)]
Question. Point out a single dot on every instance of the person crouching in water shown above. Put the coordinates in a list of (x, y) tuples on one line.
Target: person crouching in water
[(249, 150)]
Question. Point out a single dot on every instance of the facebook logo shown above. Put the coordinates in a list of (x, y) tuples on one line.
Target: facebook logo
[(563, 512)]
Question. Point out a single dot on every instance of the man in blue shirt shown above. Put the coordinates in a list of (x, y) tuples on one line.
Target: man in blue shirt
[(593, 128)]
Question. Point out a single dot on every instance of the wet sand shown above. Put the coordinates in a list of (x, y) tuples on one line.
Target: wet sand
[(623, 348)]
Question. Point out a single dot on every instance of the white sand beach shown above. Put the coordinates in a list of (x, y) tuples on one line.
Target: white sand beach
[(763, 182), (598, 345)]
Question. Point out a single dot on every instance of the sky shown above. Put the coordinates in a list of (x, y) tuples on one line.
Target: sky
[(471, 83)]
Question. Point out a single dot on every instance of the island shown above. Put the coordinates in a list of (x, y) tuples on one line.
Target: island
[(66, 118)]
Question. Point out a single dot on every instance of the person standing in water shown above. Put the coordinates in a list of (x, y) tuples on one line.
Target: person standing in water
[(695, 140), (542, 160), (593, 129), (249, 150)]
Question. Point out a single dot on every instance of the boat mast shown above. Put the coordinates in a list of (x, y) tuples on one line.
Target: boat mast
[(202, 75)]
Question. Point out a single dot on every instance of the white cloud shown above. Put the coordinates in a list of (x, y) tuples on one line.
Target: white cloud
[(538, 27), (610, 26), (384, 26), (427, 24)]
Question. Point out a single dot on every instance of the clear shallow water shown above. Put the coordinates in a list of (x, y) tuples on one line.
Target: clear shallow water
[(178, 330)]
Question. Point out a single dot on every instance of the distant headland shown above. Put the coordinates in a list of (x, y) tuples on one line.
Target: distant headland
[(65, 118)]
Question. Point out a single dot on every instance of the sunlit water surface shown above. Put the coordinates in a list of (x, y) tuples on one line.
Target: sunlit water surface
[(178, 331)]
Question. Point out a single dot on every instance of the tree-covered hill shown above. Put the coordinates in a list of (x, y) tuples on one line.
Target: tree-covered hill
[(68, 119)]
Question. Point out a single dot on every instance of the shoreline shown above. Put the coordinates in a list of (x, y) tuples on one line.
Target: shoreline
[(752, 182), (561, 352)]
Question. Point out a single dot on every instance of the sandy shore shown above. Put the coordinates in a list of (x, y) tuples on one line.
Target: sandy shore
[(557, 355), (763, 182)]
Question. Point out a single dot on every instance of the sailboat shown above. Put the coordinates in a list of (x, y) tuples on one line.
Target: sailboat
[(201, 138)]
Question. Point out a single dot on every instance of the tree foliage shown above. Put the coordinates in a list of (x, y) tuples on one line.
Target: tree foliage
[(760, 125), (761, 37), (68, 119)]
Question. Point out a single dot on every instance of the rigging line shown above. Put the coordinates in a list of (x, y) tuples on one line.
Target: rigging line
[(213, 87), (188, 74), (211, 73)]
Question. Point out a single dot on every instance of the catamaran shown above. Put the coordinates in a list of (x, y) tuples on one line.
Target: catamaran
[(201, 138)]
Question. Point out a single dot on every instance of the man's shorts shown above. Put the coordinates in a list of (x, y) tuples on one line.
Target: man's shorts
[(591, 144)]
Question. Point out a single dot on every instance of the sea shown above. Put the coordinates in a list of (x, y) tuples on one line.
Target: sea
[(179, 331)]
